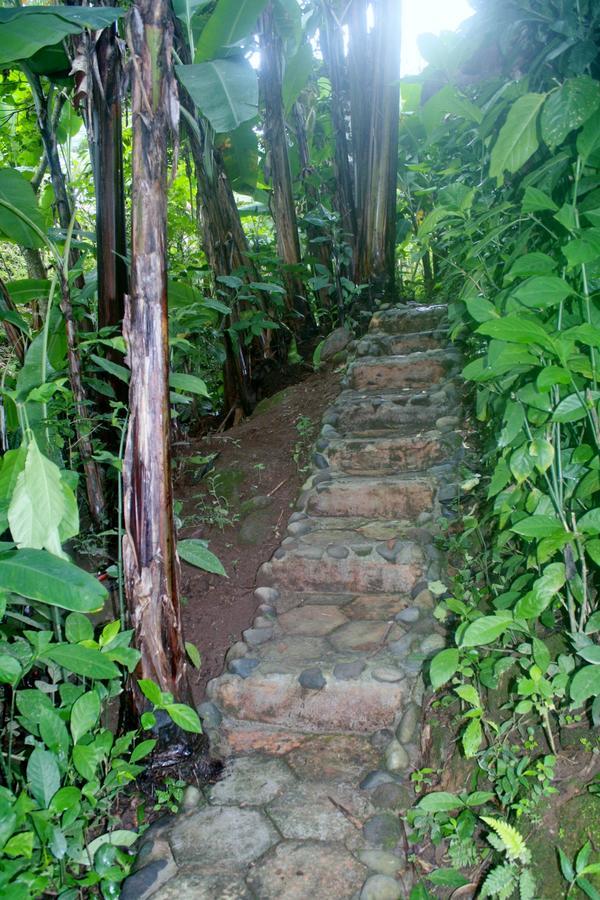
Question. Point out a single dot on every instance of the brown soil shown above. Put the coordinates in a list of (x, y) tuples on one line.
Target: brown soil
[(255, 460)]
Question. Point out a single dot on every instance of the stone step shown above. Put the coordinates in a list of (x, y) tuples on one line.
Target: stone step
[(392, 497), (377, 343), (363, 566), (362, 705), (387, 455), (415, 370), (405, 412), (409, 319)]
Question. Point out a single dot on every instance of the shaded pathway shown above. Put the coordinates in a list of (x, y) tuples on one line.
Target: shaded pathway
[(318, 713)]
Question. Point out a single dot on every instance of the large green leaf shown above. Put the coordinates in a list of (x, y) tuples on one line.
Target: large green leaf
[(39, 503), (588, 140), (443, 666), (43, 776), (224, 90), (569, 107), (484, 631), (39, 575), (84, 714), (297, 73), (85, 661), (239, 151), (231, 21), (585, 684), (517, 330), (543, 291), (16, 190), (24, 30), (448, 100), (190, 383), (518, 139)]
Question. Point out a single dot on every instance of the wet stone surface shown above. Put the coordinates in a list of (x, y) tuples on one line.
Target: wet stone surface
[(318, 711)]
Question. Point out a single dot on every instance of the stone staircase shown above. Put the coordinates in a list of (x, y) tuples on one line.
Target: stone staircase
[(317, 714)]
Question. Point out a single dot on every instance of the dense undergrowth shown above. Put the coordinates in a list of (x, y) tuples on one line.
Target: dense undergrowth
[(509, 169)]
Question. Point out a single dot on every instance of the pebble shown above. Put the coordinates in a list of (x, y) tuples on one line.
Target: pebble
[(266, 595), (210, 714), (392, 796), (348, 671), (380, 861), (242, 667), (336, 551), (408, 615), (312, 678), (424, 600), (382, 830), (445, 422), (375, 779), (387, 674), (396, 757), (432, 643), (263, 622), (448, 492), (381, 887), (254, 637), (147, 881), (320, 461), (409, 723), (279, 553), (402, 646), (237, 651), (192, 798)]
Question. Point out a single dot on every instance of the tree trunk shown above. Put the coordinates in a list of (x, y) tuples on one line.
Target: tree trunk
[(332, 45), (428, 279), (360, 79), (284, 212), (150, 562), (107, 157), (375, 261)]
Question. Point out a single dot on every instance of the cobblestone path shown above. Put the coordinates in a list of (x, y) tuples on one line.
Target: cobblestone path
[(318, 713)]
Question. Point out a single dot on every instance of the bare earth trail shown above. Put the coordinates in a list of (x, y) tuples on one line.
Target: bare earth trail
[(318, 713)]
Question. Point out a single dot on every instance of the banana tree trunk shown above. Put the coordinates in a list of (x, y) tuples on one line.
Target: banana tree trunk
[(332, 46), (284, 211), (150, 562), (375, 260), (111, 233)]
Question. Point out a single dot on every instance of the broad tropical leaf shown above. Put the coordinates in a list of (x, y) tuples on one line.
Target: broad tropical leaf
[(224, 90), (518, 139)]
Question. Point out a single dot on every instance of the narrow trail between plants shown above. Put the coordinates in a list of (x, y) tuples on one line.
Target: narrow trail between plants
[(317, 717)]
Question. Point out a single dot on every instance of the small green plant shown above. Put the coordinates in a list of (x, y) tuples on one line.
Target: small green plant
[(169, 796), (575, 872)]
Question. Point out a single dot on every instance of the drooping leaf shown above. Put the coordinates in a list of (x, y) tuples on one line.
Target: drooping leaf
[(543, 291), (38, 504), (440, 801), (39, 575), (184, 716), (518, 139), (224, 90), (297, 73), (189, 383), (17, 191), (25, 30), (195, 553)]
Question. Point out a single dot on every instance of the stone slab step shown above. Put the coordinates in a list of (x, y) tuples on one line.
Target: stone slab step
[(361, 567), (392, 497), (409, 319), (352, 706), (377, 343), (414, 370), (388, 455), (360, 413)]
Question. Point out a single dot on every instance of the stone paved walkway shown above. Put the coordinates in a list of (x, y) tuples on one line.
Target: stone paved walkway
[(318, 714)]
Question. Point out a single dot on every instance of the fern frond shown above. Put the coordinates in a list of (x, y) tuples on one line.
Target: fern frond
[(526, 885), (514, 844), (500, 882)]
